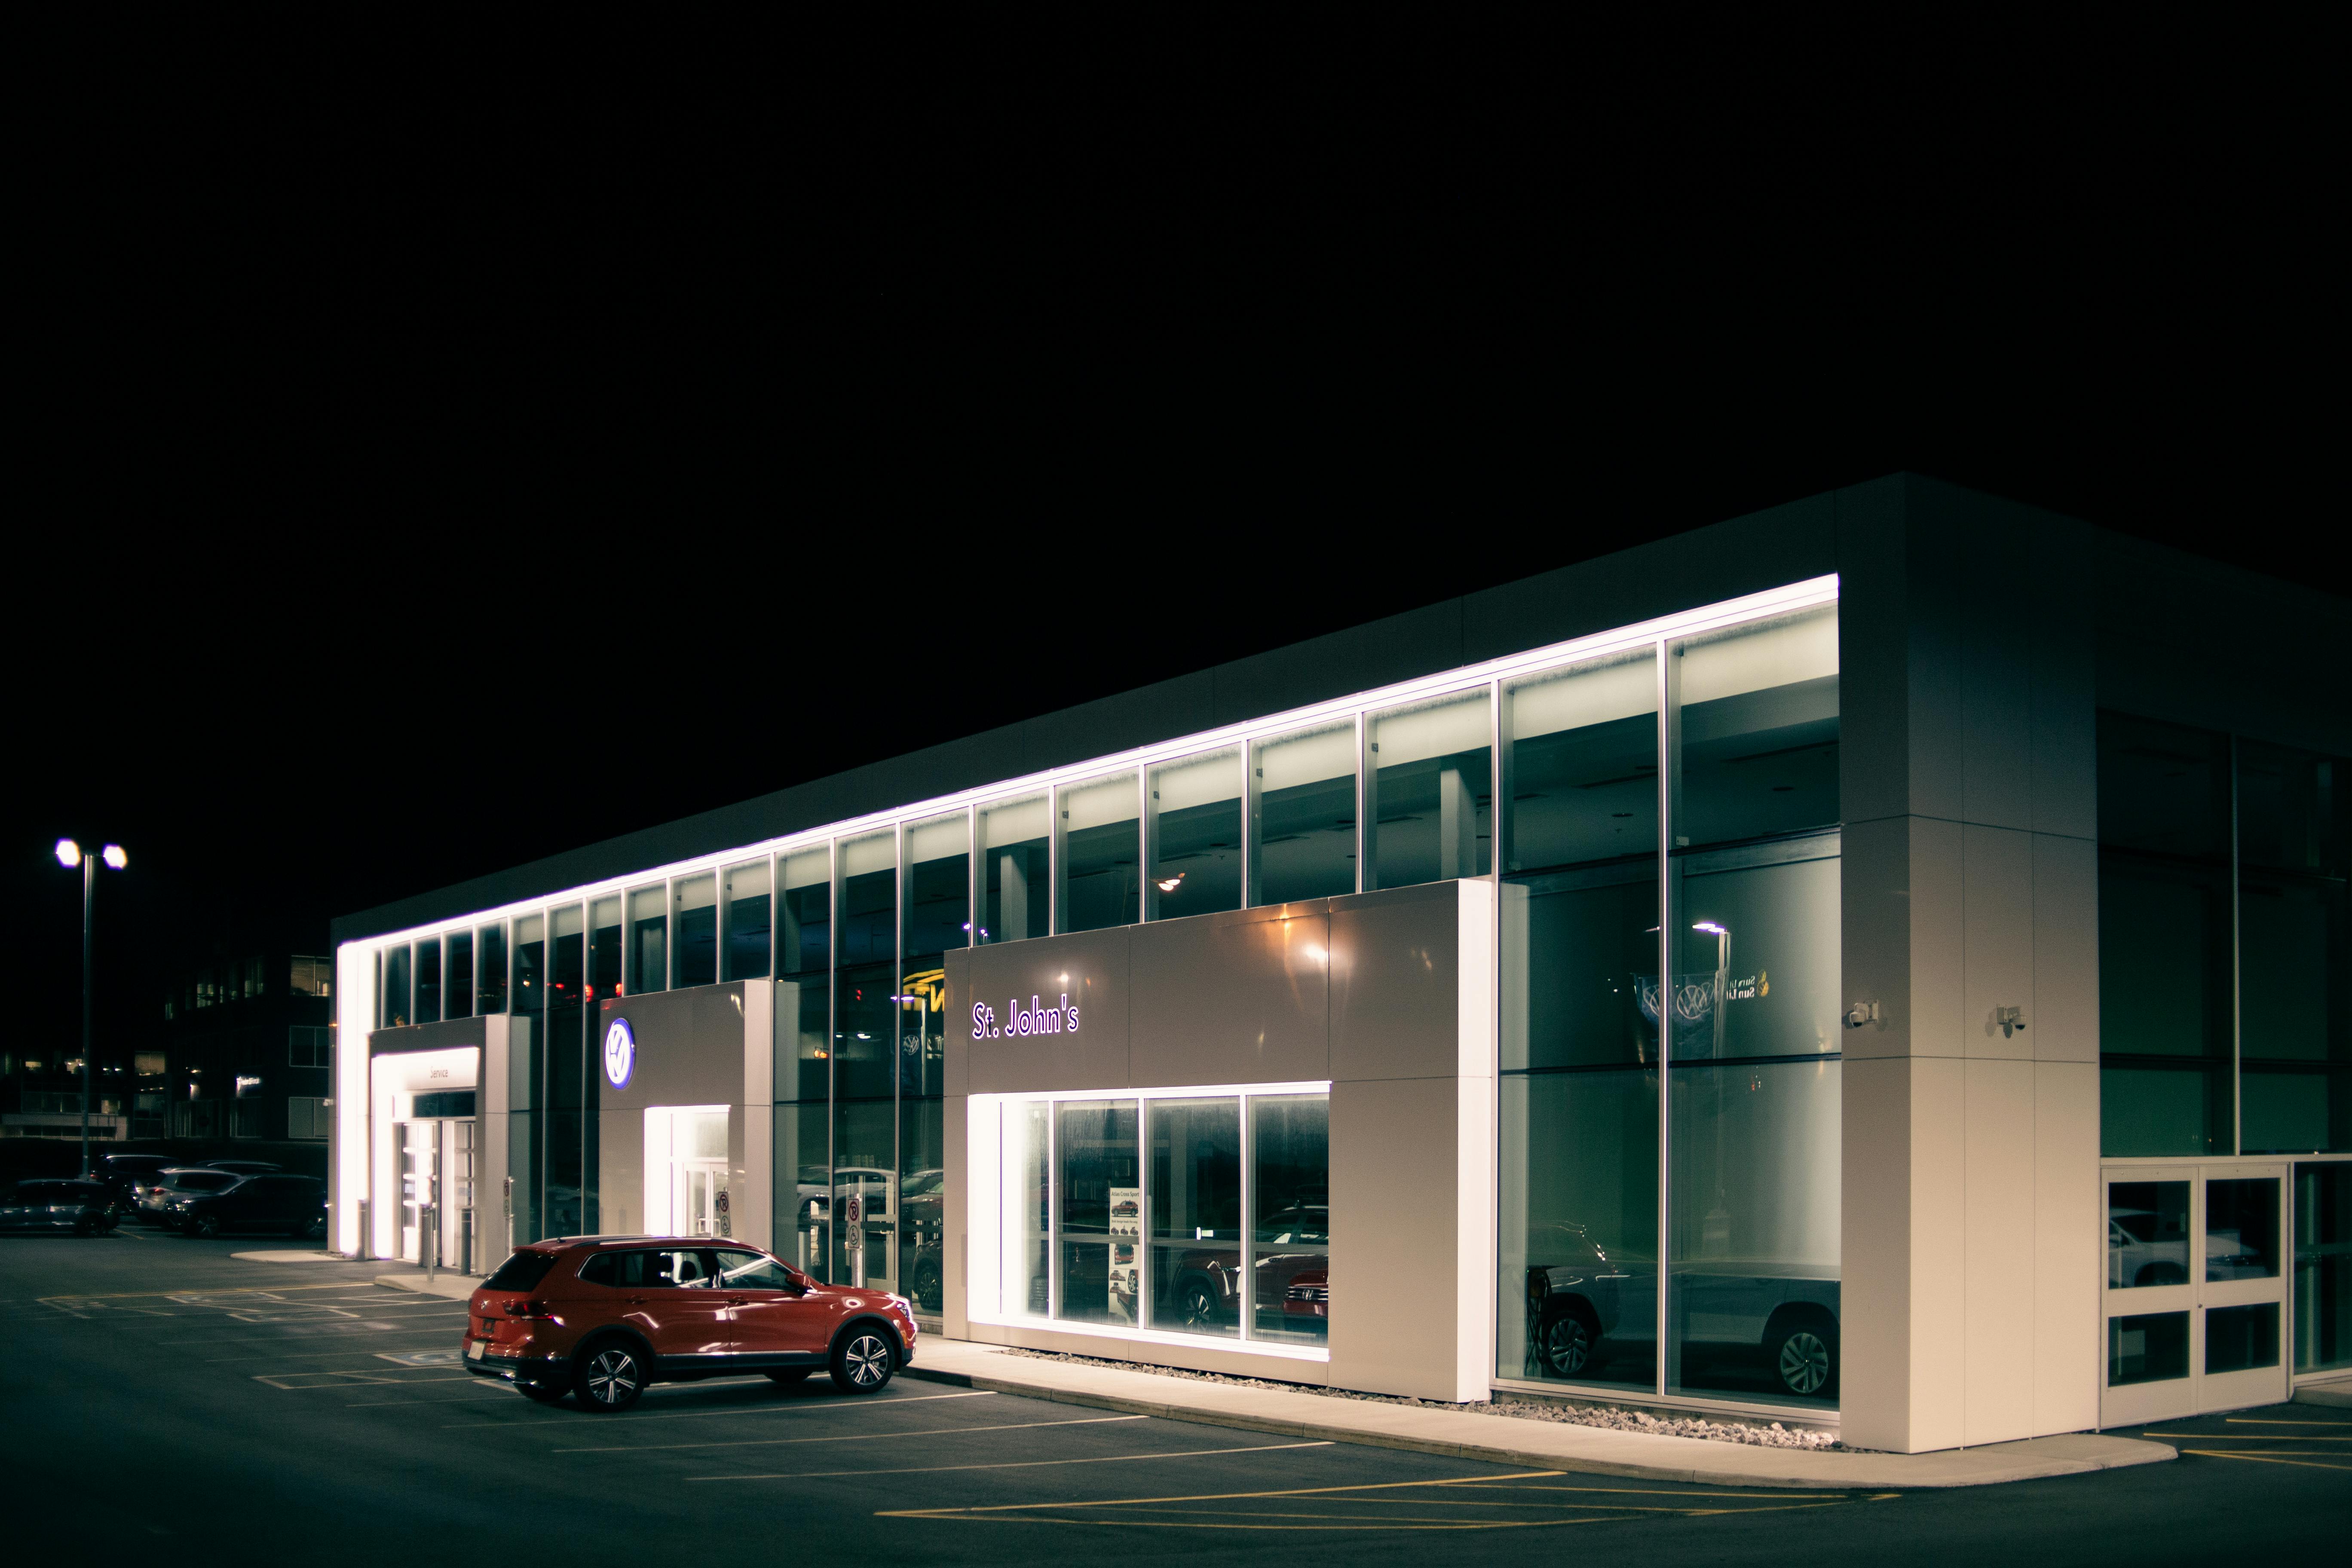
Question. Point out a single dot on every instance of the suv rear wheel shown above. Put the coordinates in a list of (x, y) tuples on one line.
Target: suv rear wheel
[(609, 1378), (862, 1360)]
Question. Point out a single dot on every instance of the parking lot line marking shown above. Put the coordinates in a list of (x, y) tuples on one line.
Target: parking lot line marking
[(847, 1438), (770, 1409), (495, 1392), (1234, 1497), (2248, 1437), (303, 1355), (1012, 1465), (2257, 1421), (2265, 1458)]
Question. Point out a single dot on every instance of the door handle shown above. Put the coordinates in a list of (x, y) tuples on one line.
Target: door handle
[(636, 1301)]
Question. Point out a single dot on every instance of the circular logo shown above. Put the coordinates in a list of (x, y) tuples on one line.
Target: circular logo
[(620, 1053)]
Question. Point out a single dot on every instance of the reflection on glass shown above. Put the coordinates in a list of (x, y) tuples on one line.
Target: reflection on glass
[(1584, 764), (803, 1173), (1014, 837), (604, 945), (2294, 950), (1196, 1216), (1290, 1217), (921, 1193), (459, 990), (529, 964), (1753, 1298), (865, 1015), (2147, 1234), (2241, 1339), (1579, 1293), (1756, 731), (490, 982), (2322, 1285), (1027, 1192), (939, 886), (864, 1180), (2165, 967), (648, 940), (2152, 1347), (1304, 826), (1100, 1200), (1433, 792), (804, 926), (694, 914), (1756, 954), (1196, 837), (2242, 1229), (1101, 854), (570, 1154), (428, 981), (747, 920)]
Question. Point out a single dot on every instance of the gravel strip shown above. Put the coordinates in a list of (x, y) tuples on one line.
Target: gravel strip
[(1774, 1436)]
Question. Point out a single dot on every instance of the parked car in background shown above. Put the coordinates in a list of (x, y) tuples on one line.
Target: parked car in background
[(59, 1204), (273, 1203), (124, 1174), (244, 1167), (154, 1201), (1205, 1286), (1587, 1303)]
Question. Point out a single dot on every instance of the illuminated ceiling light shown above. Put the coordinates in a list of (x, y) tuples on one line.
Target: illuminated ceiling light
[(113, 856), (1710, 928), (69, 852), (1170, 884)]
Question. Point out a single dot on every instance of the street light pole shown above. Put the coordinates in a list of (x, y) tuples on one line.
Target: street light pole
[(89, 902), (70, 854)]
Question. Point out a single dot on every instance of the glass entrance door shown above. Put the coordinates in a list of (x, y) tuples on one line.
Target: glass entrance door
[(865, 1206), (2194, 1294), (701, 1184)]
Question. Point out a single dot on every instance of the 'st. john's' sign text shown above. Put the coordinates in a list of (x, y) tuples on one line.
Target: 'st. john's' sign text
[(1029, 1020)]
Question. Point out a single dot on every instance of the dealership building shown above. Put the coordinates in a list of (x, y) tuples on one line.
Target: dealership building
[(1878, 962)]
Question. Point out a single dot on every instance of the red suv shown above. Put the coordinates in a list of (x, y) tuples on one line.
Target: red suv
[(601, 1317)]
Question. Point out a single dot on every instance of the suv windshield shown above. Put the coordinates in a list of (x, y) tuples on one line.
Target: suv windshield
[(523, 1271), (203, 1181)]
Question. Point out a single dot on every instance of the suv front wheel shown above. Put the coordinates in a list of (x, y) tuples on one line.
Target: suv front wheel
[(863, 1362)]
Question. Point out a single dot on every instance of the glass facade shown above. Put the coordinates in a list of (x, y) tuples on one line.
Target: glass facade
[(1101, 855), (2224, 950), (1126, 1211), (745, 902), (1303, 814), (1195, 837), (1730, 1001), (1664, 821), (1432, 791), (428, 981)]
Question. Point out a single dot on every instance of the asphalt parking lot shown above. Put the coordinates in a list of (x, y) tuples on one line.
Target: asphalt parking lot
[(164, 1400)]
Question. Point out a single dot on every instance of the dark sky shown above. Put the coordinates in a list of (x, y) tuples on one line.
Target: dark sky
[(426, 468)]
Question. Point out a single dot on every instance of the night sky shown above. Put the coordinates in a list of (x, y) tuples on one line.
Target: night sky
[(421, 469)]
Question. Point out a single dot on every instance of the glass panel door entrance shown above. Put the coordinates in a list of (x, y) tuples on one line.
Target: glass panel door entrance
[(2194, 1292)]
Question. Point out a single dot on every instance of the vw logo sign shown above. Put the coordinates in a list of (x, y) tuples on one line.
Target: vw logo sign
[(620, 1053)]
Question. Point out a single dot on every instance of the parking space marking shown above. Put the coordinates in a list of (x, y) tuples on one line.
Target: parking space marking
[(285, 1381), (2251, 1437), (1356, 1507), (1012, 1464), (2304, 1463), (849, 1437), (766, 1409), (296, 1356), (494, 1392)]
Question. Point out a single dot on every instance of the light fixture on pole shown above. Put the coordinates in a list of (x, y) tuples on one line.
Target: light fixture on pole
[(70, 854)]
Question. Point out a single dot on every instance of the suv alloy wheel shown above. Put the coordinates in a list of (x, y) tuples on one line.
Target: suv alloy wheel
[(862, 1361)]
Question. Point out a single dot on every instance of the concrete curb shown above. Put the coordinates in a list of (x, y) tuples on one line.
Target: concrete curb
[(2338, 1395), (1466, 1435), (455, 1287)]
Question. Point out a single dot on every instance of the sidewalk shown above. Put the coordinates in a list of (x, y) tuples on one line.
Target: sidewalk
[(1505, 1440), (2336, 1391), (1497, 1439)]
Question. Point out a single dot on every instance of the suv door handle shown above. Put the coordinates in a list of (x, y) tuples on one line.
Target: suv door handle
[(636, 1301)]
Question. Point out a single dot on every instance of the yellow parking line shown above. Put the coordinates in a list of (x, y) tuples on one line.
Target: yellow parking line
[(2246, 1438), (2265, 1458)]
